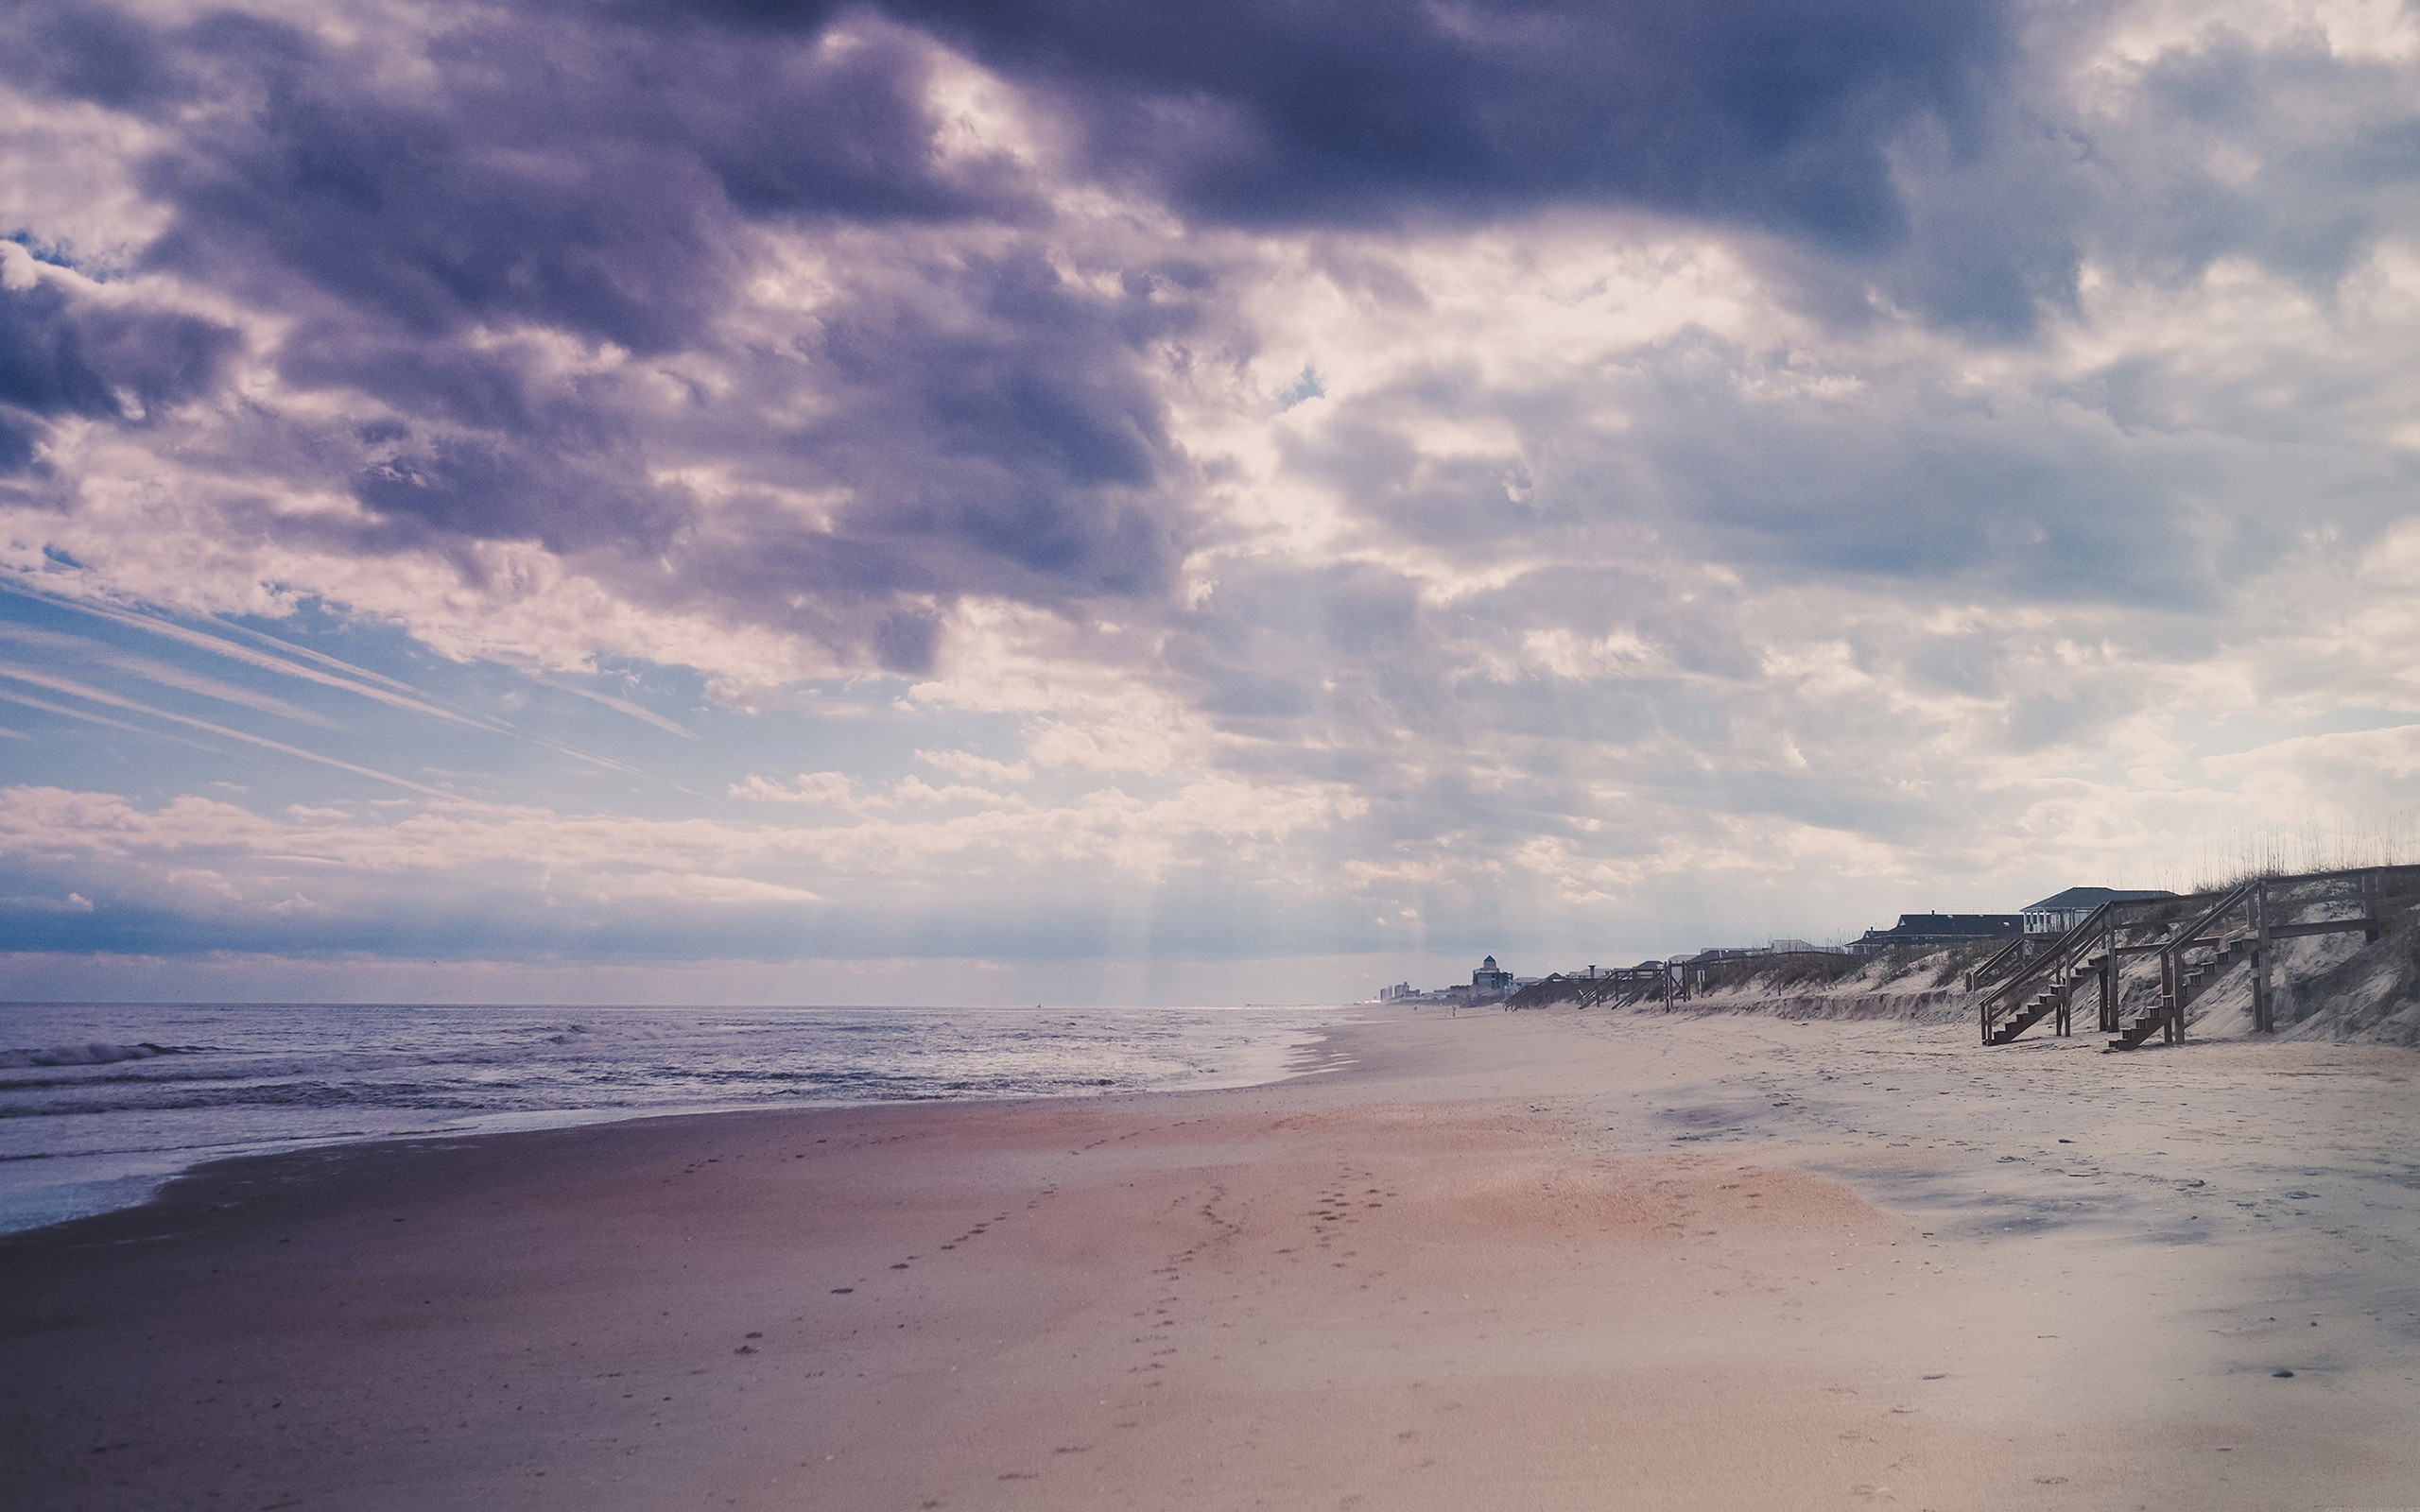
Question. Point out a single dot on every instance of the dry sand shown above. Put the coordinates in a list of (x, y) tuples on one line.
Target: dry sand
[(1547, 1260)]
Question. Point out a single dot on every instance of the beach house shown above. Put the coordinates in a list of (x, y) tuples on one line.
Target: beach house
[(2063, 911), (1939, 929)]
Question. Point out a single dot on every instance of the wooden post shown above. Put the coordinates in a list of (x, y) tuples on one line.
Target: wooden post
[(2109, 982), (2166, 995), (2264, 1009), (2176, 1019)]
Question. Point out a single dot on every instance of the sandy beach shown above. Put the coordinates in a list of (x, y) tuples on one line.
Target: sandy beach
[(1545, 1259)]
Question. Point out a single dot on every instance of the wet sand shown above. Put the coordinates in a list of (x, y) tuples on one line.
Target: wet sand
[(1547, 1259)]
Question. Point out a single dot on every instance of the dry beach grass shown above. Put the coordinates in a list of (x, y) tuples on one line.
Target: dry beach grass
[(1545, 1260)]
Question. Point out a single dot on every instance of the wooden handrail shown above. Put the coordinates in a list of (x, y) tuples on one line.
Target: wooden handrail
[(2172, 956), (2176, 933), (2068, 944), (1987, 1011), (1977, 973), (2330, 876), (2193, 933)]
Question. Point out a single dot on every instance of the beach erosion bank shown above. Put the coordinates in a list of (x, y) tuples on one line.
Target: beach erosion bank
[(1545, 1259)]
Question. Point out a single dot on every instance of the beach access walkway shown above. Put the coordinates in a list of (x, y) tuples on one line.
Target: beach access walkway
[(2146, 961)]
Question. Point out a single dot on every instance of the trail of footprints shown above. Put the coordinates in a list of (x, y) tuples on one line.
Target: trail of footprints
[(1340, 1206), (1340, 1203), (973, 1232)]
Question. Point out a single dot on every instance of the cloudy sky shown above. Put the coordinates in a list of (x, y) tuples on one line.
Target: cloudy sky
[(1094, 500)]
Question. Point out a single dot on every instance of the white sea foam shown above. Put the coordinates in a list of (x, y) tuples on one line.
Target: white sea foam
[(91, 1052), (119, 1099)]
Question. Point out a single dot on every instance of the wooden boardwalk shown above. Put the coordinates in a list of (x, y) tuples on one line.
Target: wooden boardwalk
[(2190, 942)]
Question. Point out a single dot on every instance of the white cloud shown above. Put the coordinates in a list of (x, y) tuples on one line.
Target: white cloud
[(967, 764)]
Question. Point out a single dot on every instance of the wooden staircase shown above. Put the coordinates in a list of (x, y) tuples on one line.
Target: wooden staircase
[(2232, 953), (2136, 1032), (2054, 997), (2141, 1027), (2196, 940), (2035, 1011)]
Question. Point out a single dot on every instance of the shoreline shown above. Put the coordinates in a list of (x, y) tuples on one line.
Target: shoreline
[(113, 1179), (1536, 1257)]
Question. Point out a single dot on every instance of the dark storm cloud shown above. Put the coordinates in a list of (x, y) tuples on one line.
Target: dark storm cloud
[(557, 168), (979, 419), (64, 357), (985, 420), (1319, 111), (571, 164), (2328, 147), (486, 490), (1015, 421), (89, 52), (989, 426), (985, 426)]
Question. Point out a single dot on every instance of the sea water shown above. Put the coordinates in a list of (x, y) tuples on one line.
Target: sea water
[(101, 1104)]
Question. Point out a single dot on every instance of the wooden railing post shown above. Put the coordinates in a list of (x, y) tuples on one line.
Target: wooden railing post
[(2109, 982), (2167, 992), (2264, 1009), (2182, 947)]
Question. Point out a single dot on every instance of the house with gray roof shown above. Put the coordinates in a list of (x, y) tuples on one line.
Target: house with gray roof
[(2063, 911)]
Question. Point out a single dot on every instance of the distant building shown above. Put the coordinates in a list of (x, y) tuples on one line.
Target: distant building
[(2063, 911), (1401, 990), (1940, 929), (1488, 979), (1744, 953)]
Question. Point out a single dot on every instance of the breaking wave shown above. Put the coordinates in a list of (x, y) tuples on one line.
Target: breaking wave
[(92, 1053), (92, 1116)]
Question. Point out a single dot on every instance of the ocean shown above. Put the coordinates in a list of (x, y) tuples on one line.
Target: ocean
[(100, 1104)]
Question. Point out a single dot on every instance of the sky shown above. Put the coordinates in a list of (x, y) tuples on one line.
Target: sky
[(1088, 502)]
